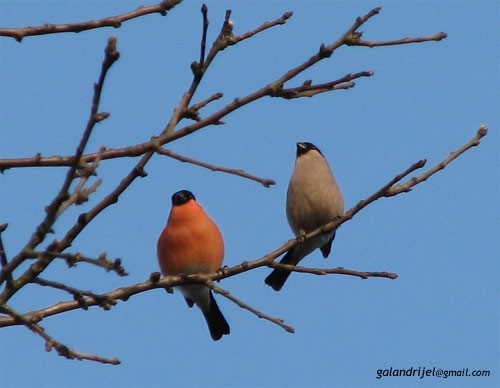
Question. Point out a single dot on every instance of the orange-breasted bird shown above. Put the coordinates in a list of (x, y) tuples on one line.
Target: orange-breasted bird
[(192, 243), (313, 199)]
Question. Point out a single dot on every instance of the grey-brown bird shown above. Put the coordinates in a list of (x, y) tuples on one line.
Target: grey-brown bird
[(313, 199)]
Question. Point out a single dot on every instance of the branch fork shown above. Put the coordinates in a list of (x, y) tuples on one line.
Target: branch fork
[(83, 166)]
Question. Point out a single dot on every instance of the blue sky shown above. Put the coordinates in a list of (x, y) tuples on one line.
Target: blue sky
[(442, 238)]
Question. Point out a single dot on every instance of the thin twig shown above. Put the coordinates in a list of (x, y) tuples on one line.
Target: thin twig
[(78, 161), (80, 195), (336, 271), (481, 132), (73, 259), (124, 293), (310, 90), (204, 11), (357, 41), (114, 21), (202, 104), (45, 227), (264, 181), (390, 189), (193, 111), (230, 39), (274, 89), (78, 295), (278, 321), (3, 256), (51, 343), (224, 40)]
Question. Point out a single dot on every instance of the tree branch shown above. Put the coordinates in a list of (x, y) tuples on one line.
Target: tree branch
[(168, 282), (355, 40), (112, 21), (83, 220), (3, 257), (231, 39), (193, 111), (481, 132), (204, 12), (73, 259), (78, 295), (225, 39), (309, 90), (336, 271), (51, 343), (278, 321), (79, 168), (263, 181), (274, 89), (111, 56)]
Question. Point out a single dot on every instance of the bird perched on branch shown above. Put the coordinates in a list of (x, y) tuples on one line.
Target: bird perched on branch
[(192, 243), (313, 199)]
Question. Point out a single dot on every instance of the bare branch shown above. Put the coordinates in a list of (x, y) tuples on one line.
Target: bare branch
[(51, 343), (73, 259), (124, 293), (202, 104), (83, 166), (224, 40), (3, 256), (113, 21), (310, 90), (204, 12), (391, 189), (233, 39), (193, 111), (264, 181), (78, 295), (481, 132), (336, 271), (243, 305), (274, 89), (79, 196), (355, 40), (45, 227)]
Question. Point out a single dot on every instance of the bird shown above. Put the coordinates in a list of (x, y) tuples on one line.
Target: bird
[(192, 243), (313, 199)]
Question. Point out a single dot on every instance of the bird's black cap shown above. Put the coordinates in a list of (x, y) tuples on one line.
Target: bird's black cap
[(181, 197), (304, 147)]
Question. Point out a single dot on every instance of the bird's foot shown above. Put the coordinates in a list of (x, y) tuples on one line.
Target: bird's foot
[(302, 236)]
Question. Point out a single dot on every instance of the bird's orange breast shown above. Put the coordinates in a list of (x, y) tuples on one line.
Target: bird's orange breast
[(190, 243)]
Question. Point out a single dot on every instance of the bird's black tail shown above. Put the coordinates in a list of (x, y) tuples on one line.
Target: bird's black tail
[(216, 322), (277, 278)]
